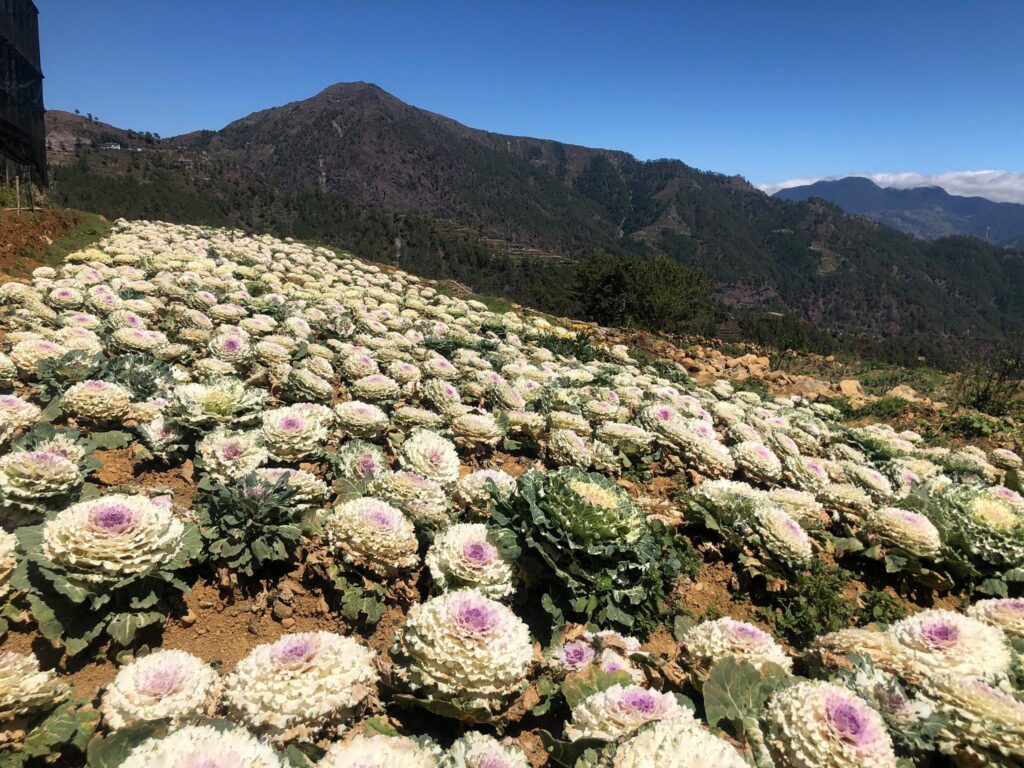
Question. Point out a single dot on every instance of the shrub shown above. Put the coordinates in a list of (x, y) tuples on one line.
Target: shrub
[(249, 525)]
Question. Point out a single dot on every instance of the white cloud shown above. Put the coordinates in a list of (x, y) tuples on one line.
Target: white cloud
[(1001, 186)]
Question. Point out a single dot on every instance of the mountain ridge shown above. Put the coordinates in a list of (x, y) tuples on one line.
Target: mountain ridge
[(927, 212), (354, 158)]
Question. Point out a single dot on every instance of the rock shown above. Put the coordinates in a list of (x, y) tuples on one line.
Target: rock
[(903, 392), (188, 619), (282, 611), (851, 388), (810, 388)]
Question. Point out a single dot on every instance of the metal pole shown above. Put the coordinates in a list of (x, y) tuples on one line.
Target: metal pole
[(17, 193)]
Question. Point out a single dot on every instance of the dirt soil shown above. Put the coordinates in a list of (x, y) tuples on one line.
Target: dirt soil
[(25, 234)]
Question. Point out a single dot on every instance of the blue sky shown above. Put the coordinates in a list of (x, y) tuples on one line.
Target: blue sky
[(770, 90)]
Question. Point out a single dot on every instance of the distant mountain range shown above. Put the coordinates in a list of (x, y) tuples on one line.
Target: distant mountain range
[(927, 212), (358, 168)]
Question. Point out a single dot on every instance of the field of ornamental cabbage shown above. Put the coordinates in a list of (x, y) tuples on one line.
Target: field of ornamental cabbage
[(265, 505)]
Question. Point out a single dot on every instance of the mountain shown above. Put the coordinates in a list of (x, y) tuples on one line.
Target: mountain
[(356, 167), (928, 212)]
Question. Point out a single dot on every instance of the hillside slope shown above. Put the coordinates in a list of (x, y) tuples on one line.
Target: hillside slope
[(353, 151), (927, 212)]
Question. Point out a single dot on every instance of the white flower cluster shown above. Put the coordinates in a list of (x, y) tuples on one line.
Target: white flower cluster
[(711, 641), (466, 555), (620, 710), (374, 535), (380, 751), (677, 742), (109, 538), (165, 685), (815, 724), (203, 745), (466, 646), (97, 401), (25, 689), (301, 684), (477, 750)]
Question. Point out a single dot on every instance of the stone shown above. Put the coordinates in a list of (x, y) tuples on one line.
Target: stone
[(851, 388), (282, 611), (903, 392)]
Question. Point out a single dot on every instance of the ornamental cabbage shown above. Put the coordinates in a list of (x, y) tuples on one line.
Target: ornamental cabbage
[(466, 648), (301, 685), (203, 745), (820, 725), (379, 751), (104, 565), (620, 710), (430, 455), (467, 555), (586, 539), (478, 750), (709, 642), (165, 685), (677, 743), (372, 534)]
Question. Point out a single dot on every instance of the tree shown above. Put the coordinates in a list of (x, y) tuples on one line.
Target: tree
[(653, 292)]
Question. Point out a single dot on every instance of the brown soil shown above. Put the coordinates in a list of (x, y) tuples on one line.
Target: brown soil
[(25, 234)]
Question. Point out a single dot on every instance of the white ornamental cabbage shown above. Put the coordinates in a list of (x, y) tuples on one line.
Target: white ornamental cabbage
[(25, 689), (360, 419), (620, 710), (28, 354), (474, 490), (303, 384), (28, 477), (820, 725), (711, 641), (301, 684), (757, 461), (567, 449), (360, 461), (478, 750), (783, 536), (677, 743), (465, 646), (21, 413), (476, 429), (937, 641), (293, 433), (376, 388), (985, 722), (8, 560), (224, 401), (379, 751), (801, 506), (428, 454), (165, 685), (906, 530), (106, 539), (466, 555), (422, 499), (1006, 613), (196, 746), (96, 401), (372, 534), (229, 456)]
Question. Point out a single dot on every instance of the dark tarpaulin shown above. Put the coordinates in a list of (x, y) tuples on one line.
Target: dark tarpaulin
[(22, 132)]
